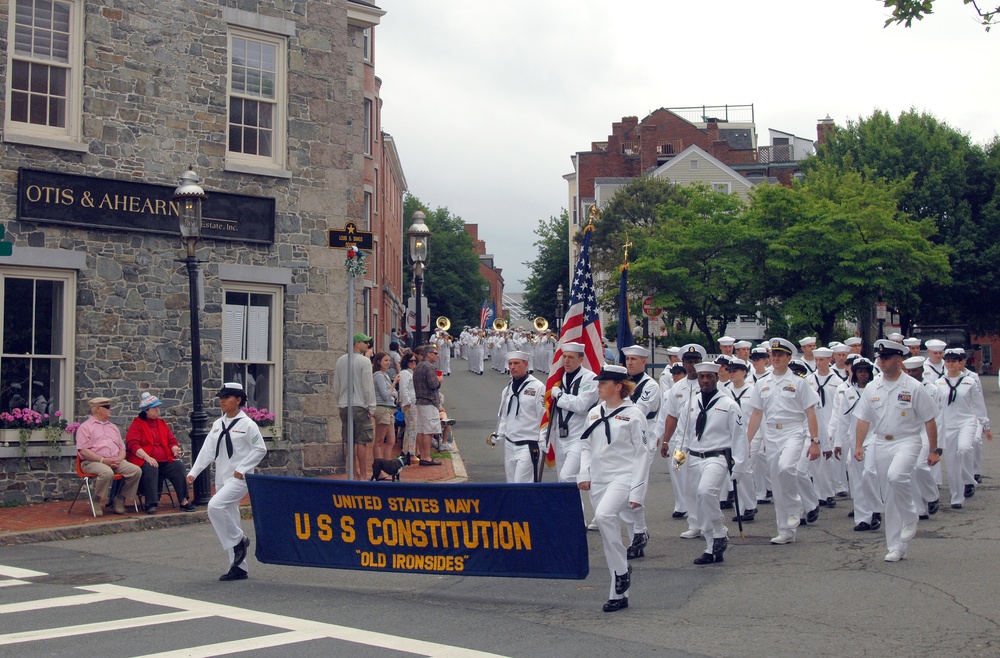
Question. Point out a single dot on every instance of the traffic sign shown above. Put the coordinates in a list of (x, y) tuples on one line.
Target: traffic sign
[(351, 237), (648, 309)]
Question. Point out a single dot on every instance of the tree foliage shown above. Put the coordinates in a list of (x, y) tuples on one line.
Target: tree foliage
[(906, 11), (550, 269), (452, 282), (947, 180)]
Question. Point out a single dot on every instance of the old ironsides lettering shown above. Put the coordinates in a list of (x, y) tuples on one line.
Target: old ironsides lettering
[(46, 196)]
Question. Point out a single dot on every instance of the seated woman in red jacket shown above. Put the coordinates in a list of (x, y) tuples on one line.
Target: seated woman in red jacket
[(153, 447)]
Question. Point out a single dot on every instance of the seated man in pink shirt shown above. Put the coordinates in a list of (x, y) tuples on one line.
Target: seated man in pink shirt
[(102, 451)]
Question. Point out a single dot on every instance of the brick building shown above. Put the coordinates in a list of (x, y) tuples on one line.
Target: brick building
[(487, 267), (106, 104)]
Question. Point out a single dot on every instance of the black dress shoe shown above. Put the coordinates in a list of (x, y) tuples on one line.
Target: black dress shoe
[(831, 502), (679, 515), (719, 546), (970, 490), (850, 514), (188, 507), (862, 527), (725, 504), (956, 506), (150, 509), (235, 573), (813, 515), (822, 502), (614, 605), (924, 517), (747, 516), (978, 478), (842, 494), (932, 507), (623, 581), (876, 521), (240, 551), (705, 558), (637, 549)]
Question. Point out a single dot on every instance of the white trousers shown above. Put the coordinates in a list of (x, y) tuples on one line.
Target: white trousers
[(959, 457), (894, 462), (761, 470), (609, 500), (224, 513), (860, 493), (924, 489), (708, 478), (568, 453), (746, 490), (678, 479), (807, 489), (518, 466), (784, 450)]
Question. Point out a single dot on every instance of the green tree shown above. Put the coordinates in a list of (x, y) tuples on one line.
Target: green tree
[(697, 259), (550, 269), (906, 11), (949, 181), (836, 243), (452, 282)]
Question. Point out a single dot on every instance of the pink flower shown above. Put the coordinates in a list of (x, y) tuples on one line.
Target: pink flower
[(58, 414)]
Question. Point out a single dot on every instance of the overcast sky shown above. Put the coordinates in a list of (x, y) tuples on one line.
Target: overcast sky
[(487, 101)]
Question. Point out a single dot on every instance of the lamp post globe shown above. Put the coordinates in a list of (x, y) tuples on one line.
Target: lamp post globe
[(189, 195)]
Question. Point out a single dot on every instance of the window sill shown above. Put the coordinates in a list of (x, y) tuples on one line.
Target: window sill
[(257, 170), (65, 144)]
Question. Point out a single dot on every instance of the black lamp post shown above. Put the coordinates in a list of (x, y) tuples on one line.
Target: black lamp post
[(190, 196), (419, 244), (559, 310)]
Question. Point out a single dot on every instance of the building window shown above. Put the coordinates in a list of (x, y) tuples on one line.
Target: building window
[(576, 218), (36, 364), (256, 98), (694, 165), (376, 195), (368, 211), (44, 69), (725, 188), (366, 43), (251, 342), (368, 127)]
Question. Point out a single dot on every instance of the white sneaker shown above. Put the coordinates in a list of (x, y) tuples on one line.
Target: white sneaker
[(783, 539), (908, 531), (692, 533), (895, 556)]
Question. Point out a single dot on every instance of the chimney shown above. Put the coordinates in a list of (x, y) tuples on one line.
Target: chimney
[(824, 128)]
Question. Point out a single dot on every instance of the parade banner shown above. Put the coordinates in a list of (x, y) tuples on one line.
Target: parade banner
[(514, 530)]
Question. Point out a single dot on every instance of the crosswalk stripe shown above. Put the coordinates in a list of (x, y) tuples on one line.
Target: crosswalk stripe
[(333, 631), (13, 583), (239, 646), (58, 602), (14, 572), (100, 627)]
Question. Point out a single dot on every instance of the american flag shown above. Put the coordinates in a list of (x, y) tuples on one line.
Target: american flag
[(582, 324), (484, 314)]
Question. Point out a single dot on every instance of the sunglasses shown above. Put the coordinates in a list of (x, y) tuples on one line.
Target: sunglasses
[(105, 406)]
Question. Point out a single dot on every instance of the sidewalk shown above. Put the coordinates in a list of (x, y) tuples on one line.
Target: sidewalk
[(28, 524)]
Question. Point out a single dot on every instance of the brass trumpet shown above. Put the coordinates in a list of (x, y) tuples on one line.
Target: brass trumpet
[(541, 324), (443, 323), (500, 324)]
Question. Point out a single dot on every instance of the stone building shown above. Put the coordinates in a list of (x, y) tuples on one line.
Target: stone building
[(106, 105)]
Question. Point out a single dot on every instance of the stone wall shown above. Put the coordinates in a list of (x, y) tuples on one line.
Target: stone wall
[(154, 102)]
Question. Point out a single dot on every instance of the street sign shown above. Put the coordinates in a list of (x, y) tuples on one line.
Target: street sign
[(351, 237), (411, 314), (648, 309)]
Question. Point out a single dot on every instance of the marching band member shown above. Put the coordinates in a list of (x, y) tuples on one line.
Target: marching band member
[(614, 468)]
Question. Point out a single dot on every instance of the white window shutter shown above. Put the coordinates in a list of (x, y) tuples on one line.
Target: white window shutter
[(233, 326), (257, 334)]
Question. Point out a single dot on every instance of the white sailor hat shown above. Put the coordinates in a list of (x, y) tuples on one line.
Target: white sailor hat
[(722, 359), (727, 340), (896, 336), (234, 389), (673, 350), (914, 362), (862, 362), (737, 363), (935, 345), (636, 350), (808, 340), (954, 353), (822, 353), (707, 367), (742, 345), (834, 343), (911, 342), (798, 366), (853, 340), (516, 354), (693, 351), (577, 348), (758, 353), (783, 345), (888, 348), (840, 348)]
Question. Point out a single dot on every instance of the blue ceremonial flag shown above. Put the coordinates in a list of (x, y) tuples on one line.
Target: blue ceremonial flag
[(625, 338), (513, 530)]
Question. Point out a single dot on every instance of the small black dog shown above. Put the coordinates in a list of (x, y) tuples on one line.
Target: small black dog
[(390, 467)]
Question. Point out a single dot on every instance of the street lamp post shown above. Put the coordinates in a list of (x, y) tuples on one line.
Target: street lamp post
[(419, 244), (190, 196), (559, 310)]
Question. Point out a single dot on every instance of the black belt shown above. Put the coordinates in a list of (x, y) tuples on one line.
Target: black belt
[(523, 443), (707, 454)]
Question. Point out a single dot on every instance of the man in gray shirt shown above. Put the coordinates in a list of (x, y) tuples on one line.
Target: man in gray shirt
[(358, 400)]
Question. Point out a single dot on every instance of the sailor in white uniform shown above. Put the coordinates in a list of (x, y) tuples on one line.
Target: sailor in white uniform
[(646, 396), (520, 419), (963, 421), (573, 397)]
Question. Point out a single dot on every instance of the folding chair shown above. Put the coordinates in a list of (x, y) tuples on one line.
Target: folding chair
[(85, 477)]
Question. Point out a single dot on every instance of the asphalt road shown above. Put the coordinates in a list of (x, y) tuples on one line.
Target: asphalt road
[(831, 594)]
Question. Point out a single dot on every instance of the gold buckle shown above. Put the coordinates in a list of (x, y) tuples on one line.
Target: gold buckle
[(889, 437), (779, 426)]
